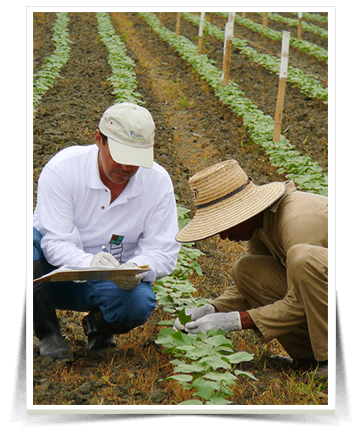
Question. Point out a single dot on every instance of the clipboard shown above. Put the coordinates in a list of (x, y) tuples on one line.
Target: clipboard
[(85, 274)]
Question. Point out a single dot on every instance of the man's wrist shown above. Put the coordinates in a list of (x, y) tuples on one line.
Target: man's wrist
[(215, 309), (247, 321)]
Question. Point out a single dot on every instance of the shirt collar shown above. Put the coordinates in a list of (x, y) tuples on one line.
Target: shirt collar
[(290, 187)]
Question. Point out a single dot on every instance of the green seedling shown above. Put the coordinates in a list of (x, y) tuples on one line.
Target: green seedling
[(205, 362), (49, 73)]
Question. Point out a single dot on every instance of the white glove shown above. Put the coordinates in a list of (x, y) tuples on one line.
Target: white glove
[(226, 321), (103, 259), (128, 282), (196, 313)]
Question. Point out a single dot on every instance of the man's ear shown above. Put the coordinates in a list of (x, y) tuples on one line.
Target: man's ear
[(97, 138)]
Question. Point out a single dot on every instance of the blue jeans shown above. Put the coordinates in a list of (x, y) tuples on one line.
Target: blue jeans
[(125, 309)]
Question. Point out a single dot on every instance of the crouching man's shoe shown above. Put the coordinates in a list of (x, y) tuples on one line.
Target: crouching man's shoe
[(100, 337), (45, 322), (279, 361), (55, 347)]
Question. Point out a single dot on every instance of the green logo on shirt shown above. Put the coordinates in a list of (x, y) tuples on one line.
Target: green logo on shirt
[(116, 246)]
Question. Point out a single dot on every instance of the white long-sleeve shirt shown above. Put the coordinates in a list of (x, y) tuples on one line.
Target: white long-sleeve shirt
[(75, 217)]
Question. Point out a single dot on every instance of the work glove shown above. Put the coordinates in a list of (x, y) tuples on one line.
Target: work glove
[(225, 321), (195, 313), (128, 282), (103, 259)]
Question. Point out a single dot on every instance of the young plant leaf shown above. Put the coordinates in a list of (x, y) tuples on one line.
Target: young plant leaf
[(188, 368), (250, 375), (183, 317), (191, 402), (217, 400), (227, 377), (238, 357), (215, 362), (204, 388), (181, 378)]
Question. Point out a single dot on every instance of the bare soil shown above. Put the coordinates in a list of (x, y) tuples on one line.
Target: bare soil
[(194, 130)]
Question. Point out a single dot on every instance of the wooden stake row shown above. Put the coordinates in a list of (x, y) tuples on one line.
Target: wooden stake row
[(264, 22), (229, 35)]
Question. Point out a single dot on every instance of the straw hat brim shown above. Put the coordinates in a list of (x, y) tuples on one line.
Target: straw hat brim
[(232, 211)]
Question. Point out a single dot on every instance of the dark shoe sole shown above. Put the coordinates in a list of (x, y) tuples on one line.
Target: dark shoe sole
[(100, 342)]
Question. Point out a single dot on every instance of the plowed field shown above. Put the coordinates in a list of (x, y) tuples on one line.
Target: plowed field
[(194, 130)]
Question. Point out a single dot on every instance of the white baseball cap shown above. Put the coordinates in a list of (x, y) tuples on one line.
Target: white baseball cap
[(130, 132)]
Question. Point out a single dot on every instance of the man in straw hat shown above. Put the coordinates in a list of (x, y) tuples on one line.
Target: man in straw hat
[(280, 286), (103, 205)]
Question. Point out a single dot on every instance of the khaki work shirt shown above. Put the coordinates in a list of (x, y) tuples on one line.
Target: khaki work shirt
[(297, 218)]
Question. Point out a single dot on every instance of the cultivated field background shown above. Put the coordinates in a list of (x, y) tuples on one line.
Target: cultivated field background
[(195, 129)]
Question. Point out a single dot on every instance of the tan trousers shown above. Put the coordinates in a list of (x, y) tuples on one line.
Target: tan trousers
[(289, 304)]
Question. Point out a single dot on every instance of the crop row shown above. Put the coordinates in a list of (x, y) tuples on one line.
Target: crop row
[(314, 17), (309, 85), (123, 79), (303, 170), (301, 45), (48, 74), (293, 22)]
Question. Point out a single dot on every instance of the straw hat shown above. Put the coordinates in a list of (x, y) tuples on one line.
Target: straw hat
[(224, 197)]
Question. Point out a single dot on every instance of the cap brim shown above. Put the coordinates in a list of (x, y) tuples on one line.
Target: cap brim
[(226, 214), (127, 155)]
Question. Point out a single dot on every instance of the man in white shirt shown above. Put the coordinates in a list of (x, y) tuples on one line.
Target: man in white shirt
[(110, 194)]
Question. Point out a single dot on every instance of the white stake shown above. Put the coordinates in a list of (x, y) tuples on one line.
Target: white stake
[(200, 36), (229, 35), (281, 87)]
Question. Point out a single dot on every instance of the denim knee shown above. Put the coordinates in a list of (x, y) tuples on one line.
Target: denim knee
[(128, 308)]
